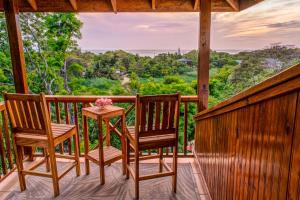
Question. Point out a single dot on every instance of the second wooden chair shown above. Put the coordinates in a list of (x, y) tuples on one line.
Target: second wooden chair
[(156, 127)]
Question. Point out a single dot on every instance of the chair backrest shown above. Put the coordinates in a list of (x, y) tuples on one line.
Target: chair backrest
[(28, 113), (157, 115)]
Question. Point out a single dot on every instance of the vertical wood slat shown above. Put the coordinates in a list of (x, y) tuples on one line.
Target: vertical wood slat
[(77, 124), (165, 115), (252, 151), (144, 113), (157, 115), (7, 139), (186, 110), (58, 120), (67, 117), (2, 153)]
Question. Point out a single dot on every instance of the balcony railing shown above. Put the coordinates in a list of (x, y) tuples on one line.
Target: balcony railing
[(67, 109), (248, 147)]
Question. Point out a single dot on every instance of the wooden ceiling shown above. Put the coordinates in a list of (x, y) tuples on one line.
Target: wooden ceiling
[(129, 5)]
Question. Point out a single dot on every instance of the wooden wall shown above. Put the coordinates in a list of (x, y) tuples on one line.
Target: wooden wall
[(248, 147)]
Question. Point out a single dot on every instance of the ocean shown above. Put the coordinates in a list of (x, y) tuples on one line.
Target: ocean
[(152, 52)]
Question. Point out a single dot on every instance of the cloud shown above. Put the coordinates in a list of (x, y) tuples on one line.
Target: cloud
[(289, 24), (268, 22)]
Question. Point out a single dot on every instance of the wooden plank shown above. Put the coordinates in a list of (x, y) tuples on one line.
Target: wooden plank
[(294, 175), (234, 4), (204, 55), (74, 4), (33, 4), (123, 6), (16, 45)]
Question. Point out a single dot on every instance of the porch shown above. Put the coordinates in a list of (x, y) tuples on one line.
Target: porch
[(190, 184)]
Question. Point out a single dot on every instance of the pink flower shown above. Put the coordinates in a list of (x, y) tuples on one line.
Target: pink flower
[(103, 102)]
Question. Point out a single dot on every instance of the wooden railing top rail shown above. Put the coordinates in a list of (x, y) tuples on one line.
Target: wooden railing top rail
[(284, 82), (119, 99)]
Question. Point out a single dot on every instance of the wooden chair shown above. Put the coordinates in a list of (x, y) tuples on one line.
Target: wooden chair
[(156, 127), (31, 127)]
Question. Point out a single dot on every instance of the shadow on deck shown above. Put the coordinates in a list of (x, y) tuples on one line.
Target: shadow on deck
[(190, 184)]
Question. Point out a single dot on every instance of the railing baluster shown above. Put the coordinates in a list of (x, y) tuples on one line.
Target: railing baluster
[(76, 123), (2, 153), (186, 107), (58, 120), (67, 116), (7, 139)]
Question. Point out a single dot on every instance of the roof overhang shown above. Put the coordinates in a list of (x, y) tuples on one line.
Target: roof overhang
[(129, 5)]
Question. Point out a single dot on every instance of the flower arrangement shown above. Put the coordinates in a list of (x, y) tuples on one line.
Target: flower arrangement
[(101, 103)]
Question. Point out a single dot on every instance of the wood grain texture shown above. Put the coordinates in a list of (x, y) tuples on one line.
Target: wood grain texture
[(252, 151), (204, 54), (16, 45), (116, 187), (126, 5)]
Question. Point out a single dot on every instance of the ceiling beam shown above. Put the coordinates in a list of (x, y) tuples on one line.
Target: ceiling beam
[(154, 4), (196, 4), (234, 4), (33, 4), (114, 5), (74, 4)]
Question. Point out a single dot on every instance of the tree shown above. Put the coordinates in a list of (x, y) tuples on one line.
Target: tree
[(48, 40)]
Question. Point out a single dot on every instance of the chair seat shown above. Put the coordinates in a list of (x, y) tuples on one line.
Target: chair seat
[(155, 141), (60, 133)]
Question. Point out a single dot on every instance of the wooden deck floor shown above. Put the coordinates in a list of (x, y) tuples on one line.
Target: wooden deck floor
[(190, 186)]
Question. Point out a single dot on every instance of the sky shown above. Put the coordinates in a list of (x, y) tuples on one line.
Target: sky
[(270, 21)]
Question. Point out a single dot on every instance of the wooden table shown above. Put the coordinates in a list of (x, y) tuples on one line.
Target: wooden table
[(103, 155)]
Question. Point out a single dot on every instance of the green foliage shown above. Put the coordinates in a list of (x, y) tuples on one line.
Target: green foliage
[(55, 65)]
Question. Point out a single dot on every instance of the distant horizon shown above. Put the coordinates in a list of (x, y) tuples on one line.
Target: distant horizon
[(149, 52), (269, 21)]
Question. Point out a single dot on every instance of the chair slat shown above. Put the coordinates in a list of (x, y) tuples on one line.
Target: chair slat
[(157, 115), (165, 115), (40, 114), (21, 114), (15, 113), (143, 116), (34, 115), (172, 114), (150, 116), (27, 110)]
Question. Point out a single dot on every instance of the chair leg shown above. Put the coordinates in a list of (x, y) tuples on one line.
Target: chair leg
[(19, 162), (174, 177), (160, 159), (47, 160), (127, 157), (76, 152), (136, 180), (54, 172)]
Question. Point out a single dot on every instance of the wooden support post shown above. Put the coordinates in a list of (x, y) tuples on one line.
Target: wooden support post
[(203, 54), (16, 51), (16, 45)]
